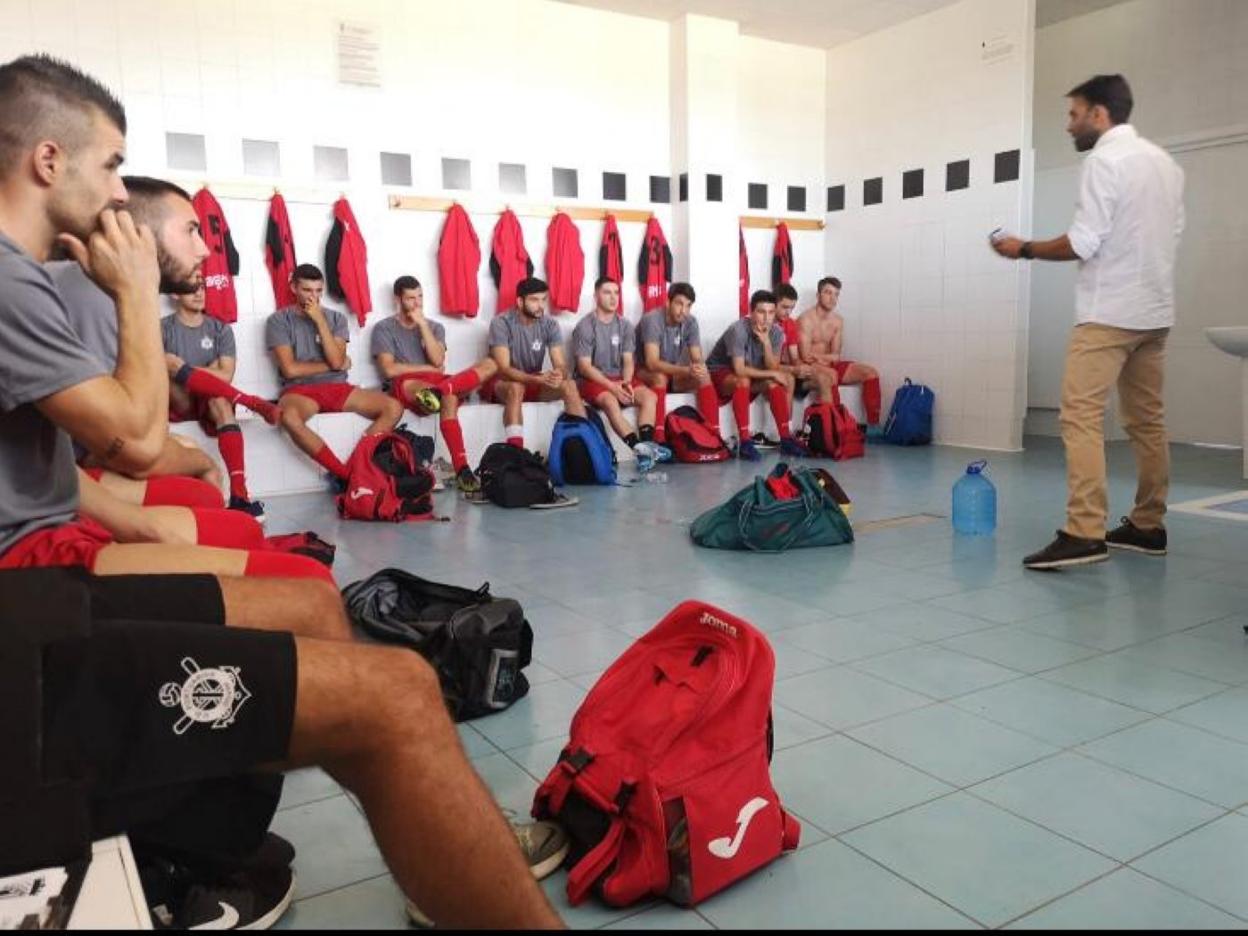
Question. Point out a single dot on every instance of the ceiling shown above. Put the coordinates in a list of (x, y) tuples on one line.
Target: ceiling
[(819, 23), (1049, 12)]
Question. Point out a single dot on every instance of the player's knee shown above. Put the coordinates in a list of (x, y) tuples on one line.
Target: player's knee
[(291, 418), (391, 408)]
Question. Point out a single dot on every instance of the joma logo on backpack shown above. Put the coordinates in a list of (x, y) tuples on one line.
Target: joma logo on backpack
[(711, 620)]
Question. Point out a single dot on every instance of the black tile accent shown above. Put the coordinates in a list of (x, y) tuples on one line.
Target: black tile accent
[(613, 186), (456, 174), (661, 189), (1005, 166), (958, 175), (714, 188), (512, 179), (872, 191), (683, 187), (912, 183), (836, 198), (564, 182), (757, 195), (797, 198)]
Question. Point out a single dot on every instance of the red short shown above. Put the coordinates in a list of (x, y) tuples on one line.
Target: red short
[(199, 412), (841, 367), (428, 378), (719, 376), (532, 392), (330, 397), (590, 390), (71, 544)]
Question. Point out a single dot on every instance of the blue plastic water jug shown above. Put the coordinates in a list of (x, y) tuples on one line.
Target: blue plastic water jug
[(974, 501)]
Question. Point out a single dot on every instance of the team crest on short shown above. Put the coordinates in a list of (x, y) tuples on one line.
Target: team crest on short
[(210, 696)]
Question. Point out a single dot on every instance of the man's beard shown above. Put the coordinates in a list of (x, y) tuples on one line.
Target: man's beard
[(1086, 140), (175, 279)]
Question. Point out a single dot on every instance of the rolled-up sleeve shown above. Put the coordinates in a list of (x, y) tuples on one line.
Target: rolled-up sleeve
[(1094, 212)]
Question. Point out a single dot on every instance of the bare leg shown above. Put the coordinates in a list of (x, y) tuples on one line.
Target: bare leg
[(511, 395), (572, 402), (305, 607), (296, 411), (610, 406), (123, 488), (646, 402), (384, 410)]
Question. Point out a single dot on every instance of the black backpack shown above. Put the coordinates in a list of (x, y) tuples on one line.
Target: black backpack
[(478, 644), (514, 477)]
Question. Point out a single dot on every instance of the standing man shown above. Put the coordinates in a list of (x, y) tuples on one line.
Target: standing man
[(309, 344), (1125, 234)]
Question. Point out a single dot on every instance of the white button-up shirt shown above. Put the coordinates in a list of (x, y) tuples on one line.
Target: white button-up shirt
[(1126, 231)]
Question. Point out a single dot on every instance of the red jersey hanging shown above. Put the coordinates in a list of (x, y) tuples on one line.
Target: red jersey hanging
[(654, 267), (509, 261), (346, 262), (782, 256), (611, 256), (459, 259), (743, 275), (565, 263), (221, 265), (279, 252)]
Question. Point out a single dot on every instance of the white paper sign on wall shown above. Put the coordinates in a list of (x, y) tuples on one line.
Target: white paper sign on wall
[(359, 55)]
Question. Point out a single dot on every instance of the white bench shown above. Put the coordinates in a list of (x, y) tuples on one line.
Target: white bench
[(275, 466)]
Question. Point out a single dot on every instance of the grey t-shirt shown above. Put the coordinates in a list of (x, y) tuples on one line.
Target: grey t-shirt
[(390, 336), (604, 344), (40, 355), (740, 341), (291, 327), (198, 346), (527, 343), (674, 341), (92, 312)]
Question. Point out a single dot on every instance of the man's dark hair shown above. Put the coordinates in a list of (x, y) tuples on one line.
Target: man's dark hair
[(786, 291), (828, 281), (1111, 92), (404, 283), (44, 98), (603, 280), (308, 271), (681, 289), (147, 196), (761, 296), (531, 286)]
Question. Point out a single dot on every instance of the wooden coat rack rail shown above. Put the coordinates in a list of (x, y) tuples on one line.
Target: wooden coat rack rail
[(795, 224), (576, 212)]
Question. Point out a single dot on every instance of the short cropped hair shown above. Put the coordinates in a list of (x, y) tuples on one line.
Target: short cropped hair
[(1111, 92), (147, 196), (786, 291), (828, 281), (681, 289), (760, 297), (404, 283), (42, 97), (603, 280), (531, 286), (308, 271)]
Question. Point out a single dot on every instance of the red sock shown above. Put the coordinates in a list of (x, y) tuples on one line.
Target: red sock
[(517, 441), (779, 398), (181, 491), (464, 382), (871, 400), (329, 461), (230, 445), (454, 436), (226, 528), (262, 564), (741, 410), (660, 414), (708, 406), (201, 383)]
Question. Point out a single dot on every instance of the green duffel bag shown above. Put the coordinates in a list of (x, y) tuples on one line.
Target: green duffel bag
[(755, 518)]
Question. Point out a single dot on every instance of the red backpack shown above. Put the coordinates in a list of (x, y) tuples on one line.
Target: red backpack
[(664, 785), (692, 440), (387, 480), (833, 431)]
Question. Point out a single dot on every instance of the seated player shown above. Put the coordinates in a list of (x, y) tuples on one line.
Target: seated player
[(822, 334), (809, 378), (194, 341), (410, 352), (669, 357), (603, 345), (309, 344), (746, 362), (519, 343)]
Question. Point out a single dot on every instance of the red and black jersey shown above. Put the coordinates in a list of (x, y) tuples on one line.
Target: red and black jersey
[(565, 263), (654, 267), (279, 252), (346, 262), (611, 256), (221, 265), (459, 259), (782, 256), (743, 275), (509, 261)]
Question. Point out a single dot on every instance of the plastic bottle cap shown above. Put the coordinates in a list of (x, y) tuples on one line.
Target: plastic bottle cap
[(976, 467)]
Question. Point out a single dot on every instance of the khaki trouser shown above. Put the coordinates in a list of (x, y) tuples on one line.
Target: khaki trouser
[(1099, 355)]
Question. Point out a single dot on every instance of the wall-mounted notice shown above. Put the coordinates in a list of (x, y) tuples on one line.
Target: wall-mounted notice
[(359, 55), (995, 49)]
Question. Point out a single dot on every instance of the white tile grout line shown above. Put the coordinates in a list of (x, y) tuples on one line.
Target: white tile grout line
[(1207, 507)]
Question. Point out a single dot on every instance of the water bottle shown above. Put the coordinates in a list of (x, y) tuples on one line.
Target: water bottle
[(655, 477), (974, 501)]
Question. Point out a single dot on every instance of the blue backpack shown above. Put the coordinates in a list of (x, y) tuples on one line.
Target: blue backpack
[(580, 452), (910, 419)]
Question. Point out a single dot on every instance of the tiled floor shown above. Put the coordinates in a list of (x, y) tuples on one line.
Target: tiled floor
[(968, 745)]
